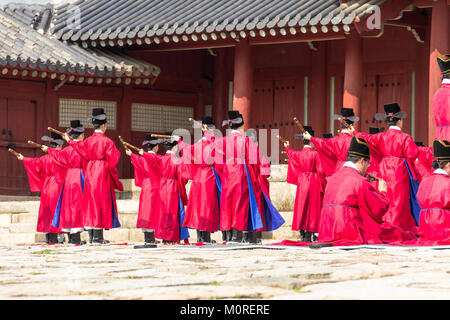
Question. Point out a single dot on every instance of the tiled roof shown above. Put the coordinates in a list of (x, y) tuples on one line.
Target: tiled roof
[(111, 22), (22, 47)]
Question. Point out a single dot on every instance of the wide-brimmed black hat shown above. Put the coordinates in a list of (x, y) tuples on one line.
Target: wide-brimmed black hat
[(391, 111), (308, 129), (327, 135), (152, 141), (75, 127), (234, 117), (348, 115), (98, 116), (374, 130), (54, 140), (419, 143), (359, 148), (441, 150), (444, 64)]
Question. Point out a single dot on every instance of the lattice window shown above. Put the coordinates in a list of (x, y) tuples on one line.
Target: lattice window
[(81, 109), (160, 118)]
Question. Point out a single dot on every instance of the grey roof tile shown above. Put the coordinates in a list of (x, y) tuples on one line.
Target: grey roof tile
[(22, 45)]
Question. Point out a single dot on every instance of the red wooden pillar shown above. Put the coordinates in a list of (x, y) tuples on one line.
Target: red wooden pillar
[(317, 107), (243, 80), (353, 81), (219, 108), (439, 45)]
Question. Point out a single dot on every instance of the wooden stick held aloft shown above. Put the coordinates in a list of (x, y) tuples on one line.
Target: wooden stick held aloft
[(128, 145), (299, 125), (162, 136), (14, 152), (34, 144), (55, 131)]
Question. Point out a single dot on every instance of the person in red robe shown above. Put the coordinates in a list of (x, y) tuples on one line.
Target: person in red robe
[(102, 177), (68, 215), (397, 168), (147, 176), (45, 176), (333, 151), (203, 207), (310, 184), (434, 199), (353, 210), (174, 176), (244, 206), (441, 101)]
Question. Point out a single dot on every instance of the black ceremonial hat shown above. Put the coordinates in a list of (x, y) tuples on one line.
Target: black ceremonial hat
[(54, 139), (391, 111), (98, 116), (444, 64), (441, 150), (75, 126), (374, 130), (348, 115), (419, 143), (327, 135), (207, 120), (234, 117), (359, 148), (151, 140)]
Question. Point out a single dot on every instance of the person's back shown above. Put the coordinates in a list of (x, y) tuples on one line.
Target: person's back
[(441, 101)]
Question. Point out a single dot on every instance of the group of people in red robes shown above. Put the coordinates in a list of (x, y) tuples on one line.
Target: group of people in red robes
[(354, 188), (77, 183), (380, 187), (229, 190)]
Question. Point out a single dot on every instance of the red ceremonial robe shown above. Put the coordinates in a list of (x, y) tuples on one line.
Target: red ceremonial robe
[(243, 203), (424, 161), (174, 176), (102, 177), (310, 187), (441, 112), (353, 211), (147, 175), (45, 176), (333, 151), (396, 148), (202, 211), (434, 200), (69, 213)]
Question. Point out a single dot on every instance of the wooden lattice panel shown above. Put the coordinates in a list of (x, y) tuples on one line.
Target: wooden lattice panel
[(81, 109), (160, 118)]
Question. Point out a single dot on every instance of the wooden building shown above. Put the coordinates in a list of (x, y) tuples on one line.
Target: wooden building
[(153, 64)]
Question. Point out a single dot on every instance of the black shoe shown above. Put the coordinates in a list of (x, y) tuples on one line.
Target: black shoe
[(237, 235), (75, 238), (91, 235), (302, 235), (98, 237), (314, 237), (250, 237), (200, 236), (227, 235), (51, 238), (149, 237), (207, 237), (308, 236)]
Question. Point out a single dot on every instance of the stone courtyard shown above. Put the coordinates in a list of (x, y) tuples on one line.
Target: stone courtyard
[(115, 272), (31, 270)]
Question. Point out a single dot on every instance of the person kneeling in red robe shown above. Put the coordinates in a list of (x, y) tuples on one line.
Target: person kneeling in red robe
[(353, 210), (434, 199)]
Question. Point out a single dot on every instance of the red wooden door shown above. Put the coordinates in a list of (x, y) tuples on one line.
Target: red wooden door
[(289, 103), (369, 104), (17, 125), (262, 112), (396, 88)]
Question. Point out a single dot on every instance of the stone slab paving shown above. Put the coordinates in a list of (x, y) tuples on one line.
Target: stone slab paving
[(111, 272)]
